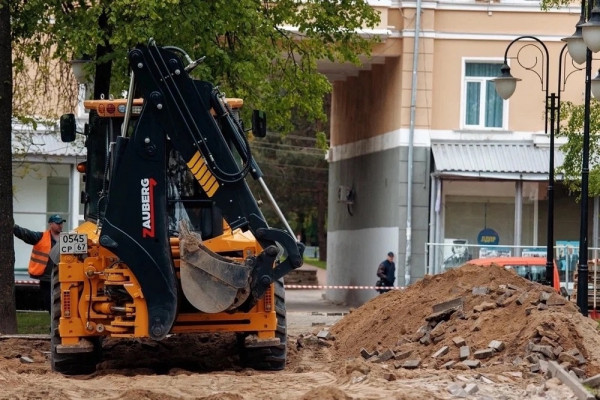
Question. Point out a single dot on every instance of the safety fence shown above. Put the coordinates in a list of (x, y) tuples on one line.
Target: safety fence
[(453, 253)]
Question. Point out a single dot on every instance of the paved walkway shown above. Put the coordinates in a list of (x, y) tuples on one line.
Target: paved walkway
[(312, 300)]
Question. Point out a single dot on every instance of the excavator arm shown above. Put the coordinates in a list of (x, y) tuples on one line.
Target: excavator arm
[(182, 113)]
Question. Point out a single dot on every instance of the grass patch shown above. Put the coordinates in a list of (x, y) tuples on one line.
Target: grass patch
[(316, 262), (32, 322)]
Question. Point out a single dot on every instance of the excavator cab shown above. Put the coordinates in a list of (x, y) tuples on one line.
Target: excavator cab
[(174, 240)]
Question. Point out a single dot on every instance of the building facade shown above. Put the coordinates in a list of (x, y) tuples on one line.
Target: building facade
[(45, 182), (430, 154)]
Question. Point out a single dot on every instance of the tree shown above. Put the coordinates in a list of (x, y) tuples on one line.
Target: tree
[(8, 318), (297, 173), (251, 50), (572, 129)]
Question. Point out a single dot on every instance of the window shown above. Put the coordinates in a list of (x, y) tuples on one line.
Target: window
[(483, 108), (57, 197)]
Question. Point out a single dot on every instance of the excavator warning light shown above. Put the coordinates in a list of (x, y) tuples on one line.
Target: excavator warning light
[(81, 167), (110, 108)]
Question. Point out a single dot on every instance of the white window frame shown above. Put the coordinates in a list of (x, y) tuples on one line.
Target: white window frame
[(463, 97)]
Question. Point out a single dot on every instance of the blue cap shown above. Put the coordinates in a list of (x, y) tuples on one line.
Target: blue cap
[(57, 219)]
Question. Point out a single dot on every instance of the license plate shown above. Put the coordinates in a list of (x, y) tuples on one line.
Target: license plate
[(73, 243)]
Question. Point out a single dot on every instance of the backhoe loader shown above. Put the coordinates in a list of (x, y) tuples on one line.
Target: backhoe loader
[(173, 241)]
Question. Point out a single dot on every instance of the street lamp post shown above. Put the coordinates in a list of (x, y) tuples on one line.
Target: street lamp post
[(590, 35), (505, 87)]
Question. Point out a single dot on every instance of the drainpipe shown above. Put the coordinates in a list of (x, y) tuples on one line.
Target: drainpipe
[(411, 135)]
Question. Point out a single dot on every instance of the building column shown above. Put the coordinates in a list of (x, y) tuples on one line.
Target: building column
[(518, 216)]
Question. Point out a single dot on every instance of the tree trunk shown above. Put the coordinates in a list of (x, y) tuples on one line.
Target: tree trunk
[(8, 316), (103, 69)]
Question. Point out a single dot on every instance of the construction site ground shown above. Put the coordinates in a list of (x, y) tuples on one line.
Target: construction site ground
[(473, 332)]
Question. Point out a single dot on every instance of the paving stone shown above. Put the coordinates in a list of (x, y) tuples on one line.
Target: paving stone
[(522, 299), (513, 287), (483, 353), (535, 368), (593, 381), (442, 351), (385, 356), (459, 341), (472, 363), (365, 354), (497, 345), (456, 390), (545, 350), (557, 350), (449, 305), (448, 365), (578, 372), (464, 352), (556, 300), (568, 358), (402, 355), (578, 389), (324, 334), (542, 306), (471, 388), (480, 291), (422, 331), (412, 364)]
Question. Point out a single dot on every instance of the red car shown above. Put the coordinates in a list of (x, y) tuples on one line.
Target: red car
[(532, 268)]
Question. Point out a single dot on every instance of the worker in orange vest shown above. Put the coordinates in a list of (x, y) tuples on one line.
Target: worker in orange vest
[(40, 263)]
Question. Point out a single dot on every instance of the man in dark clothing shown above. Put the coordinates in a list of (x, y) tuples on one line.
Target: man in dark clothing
[(40, 263), (386, 272)]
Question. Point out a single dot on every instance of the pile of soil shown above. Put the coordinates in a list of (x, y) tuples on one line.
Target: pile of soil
[(497, 304)]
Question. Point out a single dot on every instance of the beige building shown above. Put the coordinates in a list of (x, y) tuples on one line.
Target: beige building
[(425, 153)]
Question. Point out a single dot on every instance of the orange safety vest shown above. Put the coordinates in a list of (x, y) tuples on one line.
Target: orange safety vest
[(40, 255)]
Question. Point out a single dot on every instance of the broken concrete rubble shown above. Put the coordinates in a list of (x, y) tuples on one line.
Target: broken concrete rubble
[(502, 320)]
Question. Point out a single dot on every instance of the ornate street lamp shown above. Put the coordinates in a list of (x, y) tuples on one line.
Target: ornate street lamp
[(505, 87)]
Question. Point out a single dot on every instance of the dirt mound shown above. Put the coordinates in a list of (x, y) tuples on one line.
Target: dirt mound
[(472, 306)]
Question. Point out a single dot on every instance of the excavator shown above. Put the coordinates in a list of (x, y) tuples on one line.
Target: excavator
[(173, 239)]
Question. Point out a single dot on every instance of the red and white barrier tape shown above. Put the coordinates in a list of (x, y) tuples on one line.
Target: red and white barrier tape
[(26, 282), (342, 287)]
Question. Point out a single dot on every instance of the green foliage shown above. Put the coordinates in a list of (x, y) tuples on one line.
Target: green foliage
[(548, 4), (572, 128), (31, 322), (250, 49), (315, 262)]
